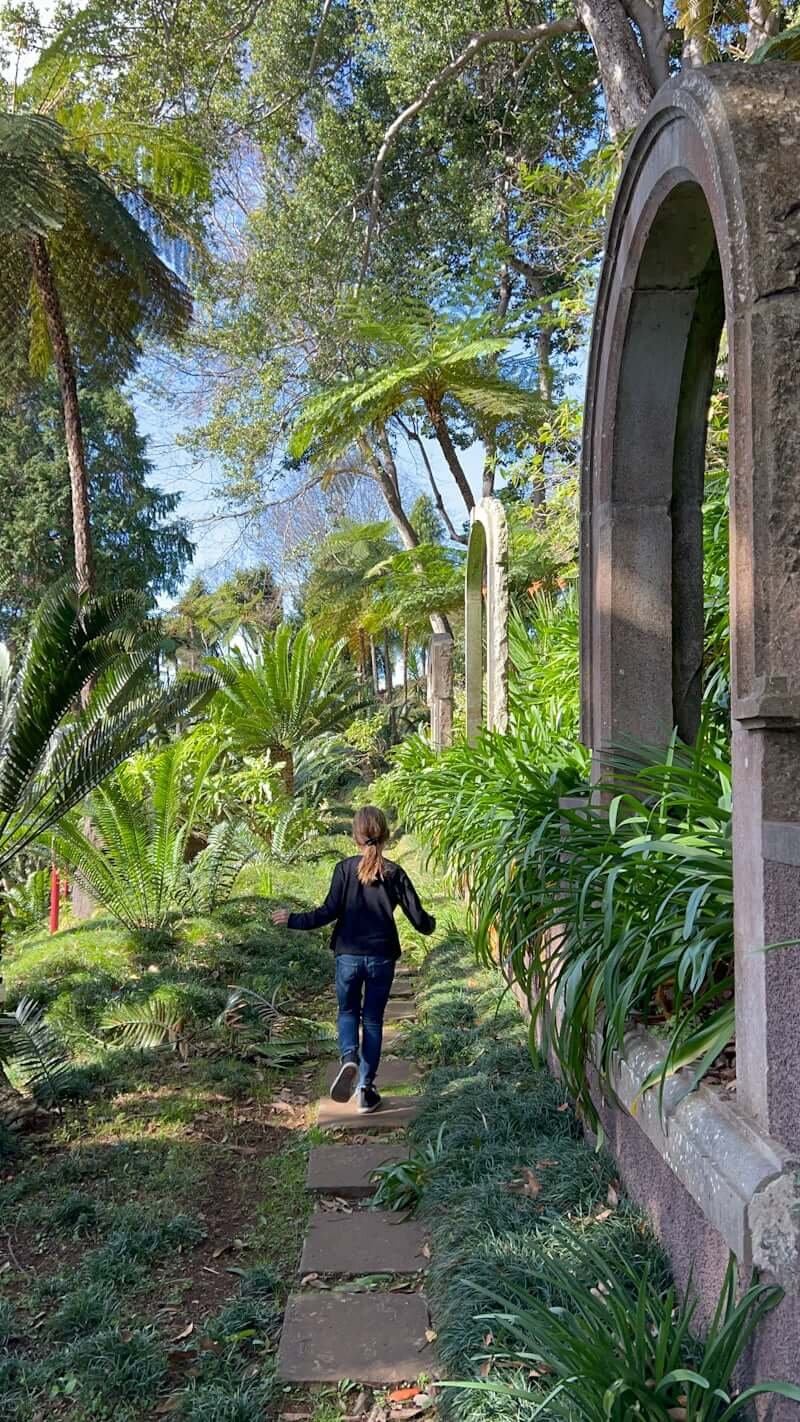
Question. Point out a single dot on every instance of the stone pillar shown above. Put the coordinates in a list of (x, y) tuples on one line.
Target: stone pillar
[(440, 689), (487, 557)]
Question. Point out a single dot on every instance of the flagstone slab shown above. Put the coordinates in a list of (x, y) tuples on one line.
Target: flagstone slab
[(399, 1009), (393, 1071), (402, 987), (345, 1170), (365, 1242), (365, 1338), (395, 1112)]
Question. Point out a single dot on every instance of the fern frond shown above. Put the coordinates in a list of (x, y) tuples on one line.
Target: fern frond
[(27, 1040), (149, 1022)]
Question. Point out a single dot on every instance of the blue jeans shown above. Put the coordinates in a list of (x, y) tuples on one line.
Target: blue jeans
[(363, 985)]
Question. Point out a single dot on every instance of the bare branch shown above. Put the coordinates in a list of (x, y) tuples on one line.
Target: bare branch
[(532, 34)]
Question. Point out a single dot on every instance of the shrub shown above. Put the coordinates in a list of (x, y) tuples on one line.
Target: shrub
[(85, 1309)]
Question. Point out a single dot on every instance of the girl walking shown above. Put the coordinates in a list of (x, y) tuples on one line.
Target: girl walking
[(361, 901)]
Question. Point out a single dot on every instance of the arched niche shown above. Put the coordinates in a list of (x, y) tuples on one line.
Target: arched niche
[(706, 229), (487, 567)]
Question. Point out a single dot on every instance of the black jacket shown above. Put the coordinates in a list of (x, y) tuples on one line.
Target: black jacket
[(364, 913)]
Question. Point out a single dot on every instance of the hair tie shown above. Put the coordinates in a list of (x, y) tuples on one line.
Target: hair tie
[(372, 841)]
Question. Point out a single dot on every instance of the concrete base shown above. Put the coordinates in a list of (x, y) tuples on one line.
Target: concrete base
[(364, 1338), (395, 1113), (346, 1170), (367, 1242), (399, 1009), (394, 1071)]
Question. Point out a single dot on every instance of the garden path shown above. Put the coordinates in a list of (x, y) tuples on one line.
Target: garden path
[(358, 1313)]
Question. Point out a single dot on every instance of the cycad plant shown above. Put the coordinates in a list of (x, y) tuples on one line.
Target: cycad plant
[(132, 856), (297, 687), (415, 359), (52, 754)]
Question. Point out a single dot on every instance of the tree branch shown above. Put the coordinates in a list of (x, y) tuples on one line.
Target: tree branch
[(532, 34), (412, 434)]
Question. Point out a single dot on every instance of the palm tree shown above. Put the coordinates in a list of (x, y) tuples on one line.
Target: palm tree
[(82, 282), (296, 688), (417, 359)]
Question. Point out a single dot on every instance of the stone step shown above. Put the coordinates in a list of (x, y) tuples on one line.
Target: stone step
[(402, 987), (393, 1071), (345, 1170), (399, 1009), (366, 1242), (376, 1338), (395, 1112)]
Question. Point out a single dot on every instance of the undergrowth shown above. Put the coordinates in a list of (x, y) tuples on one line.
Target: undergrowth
[(549, 1294)]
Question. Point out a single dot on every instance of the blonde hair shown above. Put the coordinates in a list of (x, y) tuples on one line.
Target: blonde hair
[(370, 832)]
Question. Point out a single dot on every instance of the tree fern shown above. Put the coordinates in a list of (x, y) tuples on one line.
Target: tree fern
[(415, 359)]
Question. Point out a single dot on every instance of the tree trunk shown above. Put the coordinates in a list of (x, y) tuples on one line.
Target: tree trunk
[(405, 665), (374, 662), (626, 85), (448, 449), (435, 490), (408, 534), (387, 667), (362, 654), (73, 431), (282, 756)]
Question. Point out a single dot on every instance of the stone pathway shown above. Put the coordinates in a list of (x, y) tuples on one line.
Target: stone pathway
[(381, 1336)]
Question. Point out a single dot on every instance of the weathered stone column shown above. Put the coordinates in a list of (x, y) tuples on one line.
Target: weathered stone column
[(440, 689), (487, 556)]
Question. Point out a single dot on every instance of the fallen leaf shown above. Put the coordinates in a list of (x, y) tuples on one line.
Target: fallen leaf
[(527, 1185), (542, 1164), (426, 1251), (485, 1368), (183, 1334), (612, 1196), (170, 1404), (602, 1215), (431, 1335), (402, 1394), (563, 1107)]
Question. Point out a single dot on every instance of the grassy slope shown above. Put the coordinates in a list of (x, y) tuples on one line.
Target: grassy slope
[(170, 1192)]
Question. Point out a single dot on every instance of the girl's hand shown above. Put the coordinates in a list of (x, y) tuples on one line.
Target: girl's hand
[(280, 917)]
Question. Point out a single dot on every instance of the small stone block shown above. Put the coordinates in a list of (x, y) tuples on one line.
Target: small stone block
[(393, 1071), (367, 1242), (345, 1170), (395, 1112), (369, 1338), (402, 987), (399, 1010)]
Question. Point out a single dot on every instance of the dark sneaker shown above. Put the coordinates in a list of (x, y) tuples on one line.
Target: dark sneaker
[(345, 1083), (368, 1100)]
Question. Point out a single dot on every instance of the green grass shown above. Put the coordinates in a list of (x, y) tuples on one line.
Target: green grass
[(509, 1166), (116, 1217)]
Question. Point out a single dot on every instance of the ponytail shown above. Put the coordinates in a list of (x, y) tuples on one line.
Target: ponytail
[(371, 833)]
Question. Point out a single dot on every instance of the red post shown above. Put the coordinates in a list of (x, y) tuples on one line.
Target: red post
[(54, 904)]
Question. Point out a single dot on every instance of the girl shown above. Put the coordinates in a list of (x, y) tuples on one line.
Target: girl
[(362, 898)]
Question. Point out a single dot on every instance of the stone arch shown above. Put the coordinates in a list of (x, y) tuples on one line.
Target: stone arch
[(706, 228), (487, 555)]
